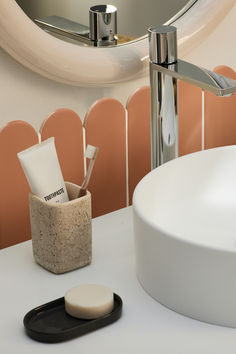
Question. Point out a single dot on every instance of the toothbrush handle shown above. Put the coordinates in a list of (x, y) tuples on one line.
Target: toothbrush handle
[(84, 186), (88, 174), (82, 192)]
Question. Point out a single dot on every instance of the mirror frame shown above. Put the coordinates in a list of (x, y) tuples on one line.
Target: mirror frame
[(80, 66)]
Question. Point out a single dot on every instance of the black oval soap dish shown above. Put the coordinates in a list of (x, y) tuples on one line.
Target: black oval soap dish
[(50, 323)]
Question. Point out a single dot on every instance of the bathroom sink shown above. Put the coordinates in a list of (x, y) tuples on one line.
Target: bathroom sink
[(185, 235)]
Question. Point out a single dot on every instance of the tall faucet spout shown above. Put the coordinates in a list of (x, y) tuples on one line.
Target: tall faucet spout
[(165, 70)]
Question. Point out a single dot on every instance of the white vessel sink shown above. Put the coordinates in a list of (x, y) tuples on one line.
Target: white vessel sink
[(185, 235)]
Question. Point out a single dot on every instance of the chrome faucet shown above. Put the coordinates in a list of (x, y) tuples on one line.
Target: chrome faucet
[(165, 70), (101, 32)]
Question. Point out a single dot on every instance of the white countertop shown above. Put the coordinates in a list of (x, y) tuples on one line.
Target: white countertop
[(144, 327)]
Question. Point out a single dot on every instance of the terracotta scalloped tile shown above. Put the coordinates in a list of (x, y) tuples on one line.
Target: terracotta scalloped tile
[(220, 115), (14, 207), (66, 126), (190, 118), (139, 157), (105, 127)]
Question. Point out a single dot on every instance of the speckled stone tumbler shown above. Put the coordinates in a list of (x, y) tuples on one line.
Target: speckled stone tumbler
[(62, 233)]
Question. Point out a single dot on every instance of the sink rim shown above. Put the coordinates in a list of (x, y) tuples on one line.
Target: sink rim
[(147, 219)]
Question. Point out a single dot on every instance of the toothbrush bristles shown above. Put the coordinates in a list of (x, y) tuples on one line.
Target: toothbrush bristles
[(91, 152)]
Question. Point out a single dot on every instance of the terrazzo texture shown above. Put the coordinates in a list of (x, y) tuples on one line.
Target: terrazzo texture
[(62, 233)]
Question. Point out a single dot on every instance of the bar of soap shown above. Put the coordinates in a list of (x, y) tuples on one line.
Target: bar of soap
[(89, 301)]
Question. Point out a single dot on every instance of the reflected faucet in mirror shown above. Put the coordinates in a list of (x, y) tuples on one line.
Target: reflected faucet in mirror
[(102, 30), (165, 70)]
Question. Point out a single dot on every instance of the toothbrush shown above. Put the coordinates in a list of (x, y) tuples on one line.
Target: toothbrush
[(91, 153)]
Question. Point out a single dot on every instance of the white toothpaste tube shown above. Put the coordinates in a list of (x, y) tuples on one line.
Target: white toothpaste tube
[(42, 170)]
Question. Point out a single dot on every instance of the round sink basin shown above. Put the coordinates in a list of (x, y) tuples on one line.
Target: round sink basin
[(185, 235)]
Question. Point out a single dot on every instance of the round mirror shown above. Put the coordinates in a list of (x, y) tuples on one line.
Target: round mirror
[(101, 67)]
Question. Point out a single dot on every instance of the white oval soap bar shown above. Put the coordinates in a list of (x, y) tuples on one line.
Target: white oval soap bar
[(89, 301)]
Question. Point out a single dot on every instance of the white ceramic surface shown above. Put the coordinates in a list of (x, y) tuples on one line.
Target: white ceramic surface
[(144, 327), (185, 235), (85, 66)]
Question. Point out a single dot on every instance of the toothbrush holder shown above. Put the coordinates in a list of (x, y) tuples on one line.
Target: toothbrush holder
[(62, 233)]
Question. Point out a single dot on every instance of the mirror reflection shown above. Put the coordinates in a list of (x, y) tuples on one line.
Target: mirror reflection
[(133, 16)]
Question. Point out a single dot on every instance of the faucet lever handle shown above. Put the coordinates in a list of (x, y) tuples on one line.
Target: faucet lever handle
[(103, 23), (163, 44)]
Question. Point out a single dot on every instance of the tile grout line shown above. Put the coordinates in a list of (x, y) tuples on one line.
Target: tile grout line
[(126, 157), (203, 120)]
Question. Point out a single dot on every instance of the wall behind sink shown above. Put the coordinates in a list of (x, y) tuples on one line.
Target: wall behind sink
[(27, 96)]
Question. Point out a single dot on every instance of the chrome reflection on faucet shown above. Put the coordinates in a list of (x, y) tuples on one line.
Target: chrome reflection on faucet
[(165, 70), (101, 32)]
